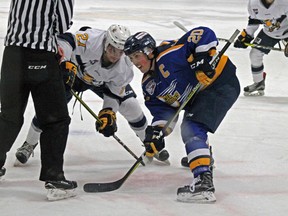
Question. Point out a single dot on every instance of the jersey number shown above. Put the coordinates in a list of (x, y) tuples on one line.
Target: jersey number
[(195, 36), (82, 39)]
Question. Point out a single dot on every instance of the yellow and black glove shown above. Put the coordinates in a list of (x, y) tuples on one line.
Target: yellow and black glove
[(203, 70), (69, 71), (108, 119), (242, 39), (203, 78), (153, 141)]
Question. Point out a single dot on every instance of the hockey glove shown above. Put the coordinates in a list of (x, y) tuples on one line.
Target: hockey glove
[(242, 39), (204, 71), (108, 119), (69, 70), (203, 78), (154, 142)]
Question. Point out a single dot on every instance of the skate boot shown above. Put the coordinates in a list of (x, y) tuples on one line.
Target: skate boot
[(61, 189), (2, 173), (24, 152), (200, 191), (256, 89)]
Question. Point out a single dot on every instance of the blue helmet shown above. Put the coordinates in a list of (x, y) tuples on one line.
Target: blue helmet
[(139, 42)]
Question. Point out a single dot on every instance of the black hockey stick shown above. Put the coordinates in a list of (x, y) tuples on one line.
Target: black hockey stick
[(111, 186), (99, 120), (179, 25)]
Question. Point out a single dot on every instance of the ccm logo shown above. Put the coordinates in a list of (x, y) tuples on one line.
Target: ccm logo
[(196, 64), (37, 67)]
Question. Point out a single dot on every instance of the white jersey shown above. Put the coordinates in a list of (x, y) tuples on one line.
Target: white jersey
[(274, 18), (89, 47)]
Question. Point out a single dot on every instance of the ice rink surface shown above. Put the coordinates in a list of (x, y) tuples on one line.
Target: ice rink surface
[(250, 146)]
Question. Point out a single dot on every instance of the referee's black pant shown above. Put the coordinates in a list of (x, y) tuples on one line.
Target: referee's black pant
[(24, 71)]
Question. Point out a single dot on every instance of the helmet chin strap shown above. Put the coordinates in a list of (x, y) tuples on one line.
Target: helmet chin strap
[(150, 57)]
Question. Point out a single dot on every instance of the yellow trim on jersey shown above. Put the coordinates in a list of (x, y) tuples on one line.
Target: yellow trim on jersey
[(171, 49)]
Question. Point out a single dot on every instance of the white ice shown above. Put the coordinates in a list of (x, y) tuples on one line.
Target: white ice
[(250, 146)]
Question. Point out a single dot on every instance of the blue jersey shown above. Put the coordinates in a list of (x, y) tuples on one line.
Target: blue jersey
[(168, 86)]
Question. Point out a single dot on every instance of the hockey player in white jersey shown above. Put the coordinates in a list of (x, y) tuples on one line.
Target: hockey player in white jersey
[(272, 14), (104, 69)]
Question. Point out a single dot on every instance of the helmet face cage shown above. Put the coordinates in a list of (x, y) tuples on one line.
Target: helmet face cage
[(116, 36), (140, 41)]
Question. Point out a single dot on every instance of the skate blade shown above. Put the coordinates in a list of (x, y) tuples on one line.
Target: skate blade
[(151, 160), (255, 93), (59, 194), (162, 163), (202, 197)]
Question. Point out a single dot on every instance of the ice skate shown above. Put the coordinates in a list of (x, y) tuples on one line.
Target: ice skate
[(256, 89), (200, 191), (162, 158), (23, 153), (2, 173), (58, 190)]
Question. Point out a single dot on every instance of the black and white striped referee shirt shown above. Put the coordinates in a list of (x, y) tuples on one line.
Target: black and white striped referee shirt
[(36, 23)]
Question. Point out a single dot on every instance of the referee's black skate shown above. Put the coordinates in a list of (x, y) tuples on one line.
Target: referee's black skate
[(62, 189), (200, 191), (256, 89)]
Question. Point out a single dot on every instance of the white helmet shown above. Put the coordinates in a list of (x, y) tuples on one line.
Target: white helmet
[(116, 35)]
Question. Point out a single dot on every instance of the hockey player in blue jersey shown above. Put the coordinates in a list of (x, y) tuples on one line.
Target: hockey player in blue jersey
[(170, 71)]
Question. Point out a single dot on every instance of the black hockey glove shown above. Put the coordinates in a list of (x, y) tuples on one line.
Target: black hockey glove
[(69, 70), (108, 126), (154, 143), (242, 39), (204, 71)]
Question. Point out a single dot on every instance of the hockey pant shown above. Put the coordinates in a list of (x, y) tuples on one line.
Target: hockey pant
[(36, 72), (205, 115)]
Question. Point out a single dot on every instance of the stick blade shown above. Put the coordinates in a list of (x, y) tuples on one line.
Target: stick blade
[(101, 187)]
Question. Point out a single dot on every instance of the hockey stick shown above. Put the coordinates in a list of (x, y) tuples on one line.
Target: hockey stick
[(179, 25), (111, 186), (99, 120)]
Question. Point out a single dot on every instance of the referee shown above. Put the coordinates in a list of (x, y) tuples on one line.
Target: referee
[(30, 65)]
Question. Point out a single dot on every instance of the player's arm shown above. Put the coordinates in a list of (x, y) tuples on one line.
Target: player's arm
[(247, 35), (202, 43)]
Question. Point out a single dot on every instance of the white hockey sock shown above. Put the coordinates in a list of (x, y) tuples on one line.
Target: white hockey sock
[(33, 135)]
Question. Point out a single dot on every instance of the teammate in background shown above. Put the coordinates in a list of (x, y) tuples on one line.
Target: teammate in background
[(273, 15), (29, 65), (170, 71), (104, 69)]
